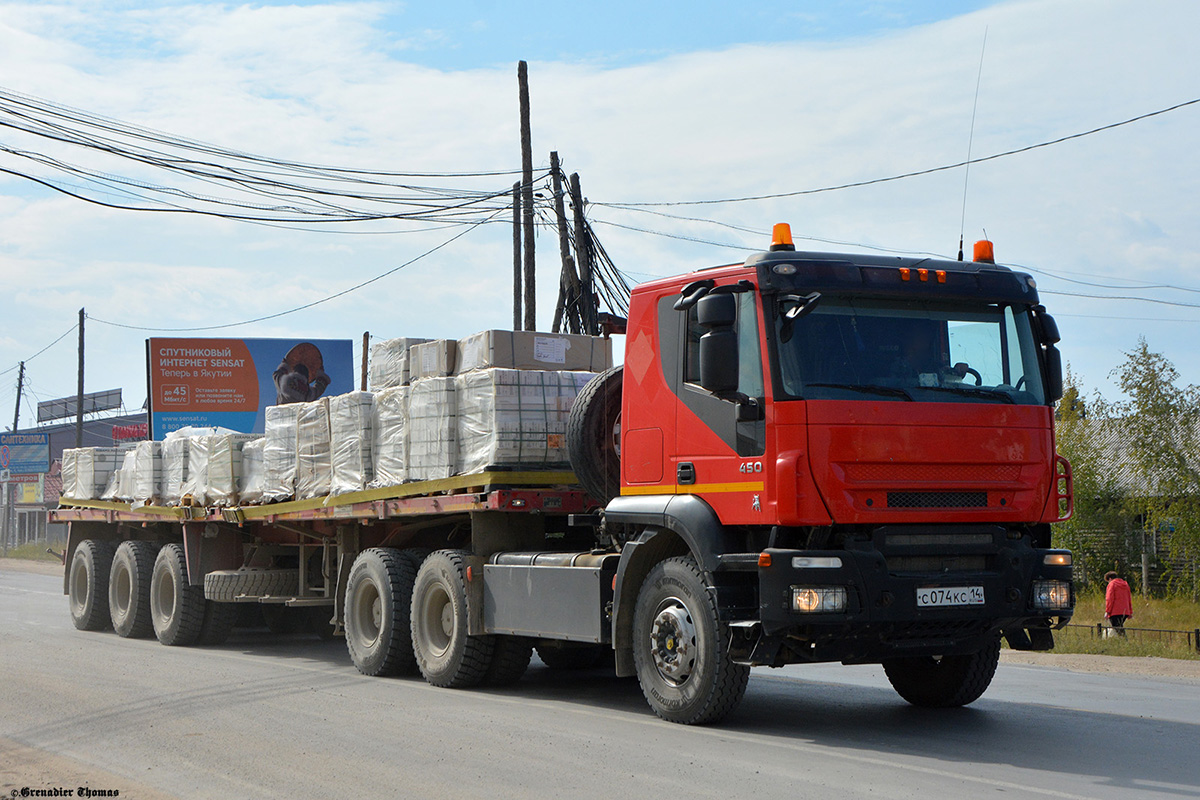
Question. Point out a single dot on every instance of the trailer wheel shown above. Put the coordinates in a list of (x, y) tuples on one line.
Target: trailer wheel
[(129, 589), (176, 607), (680, 647), (219, 619), (378, 597), (87, 584), (446, 654), (594, 435), (944, 682), (564, 655)]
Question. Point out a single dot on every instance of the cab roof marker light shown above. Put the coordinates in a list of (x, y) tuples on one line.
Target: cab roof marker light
[(905, 273), (781, 237), (923, 274), (784, 269), (941, 276)]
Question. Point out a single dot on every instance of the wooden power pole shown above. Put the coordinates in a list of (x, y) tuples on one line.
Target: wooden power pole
[(567, 282), (517, 256), (583, 260), (20, 386), (527, 194), (79, 393)]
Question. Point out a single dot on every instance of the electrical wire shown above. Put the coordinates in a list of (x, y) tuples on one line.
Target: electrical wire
[(916, 173), (326, 299)]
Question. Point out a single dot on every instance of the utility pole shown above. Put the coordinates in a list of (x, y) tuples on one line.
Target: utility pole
[(517, 256), (567, 282), (527, 192), (583, 259), (79, 393), (20, 386), (366, 346)]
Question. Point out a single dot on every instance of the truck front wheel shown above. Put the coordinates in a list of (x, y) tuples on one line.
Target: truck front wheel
[(944, 682), (176, 607), (680, 647), (129, 589), (378, 595), (87, 584), (446, 654)]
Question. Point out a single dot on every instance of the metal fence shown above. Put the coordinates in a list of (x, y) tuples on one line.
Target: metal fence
[(1172, 638)]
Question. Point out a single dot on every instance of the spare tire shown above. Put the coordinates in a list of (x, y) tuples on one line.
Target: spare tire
[(594, 435)]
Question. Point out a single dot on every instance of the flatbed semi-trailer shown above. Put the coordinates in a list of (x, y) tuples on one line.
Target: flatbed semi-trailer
[(806, 457)]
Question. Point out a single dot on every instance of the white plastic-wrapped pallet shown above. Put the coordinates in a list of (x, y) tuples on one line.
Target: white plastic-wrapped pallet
[(223, 468), (432, 429), (147, 473), (389, 453), (253, 479), (175, 460), (390, 363), (350, 440), (279, 452), (314, 468), (121, 483), (69, 472), (514, 418), (94, 468)]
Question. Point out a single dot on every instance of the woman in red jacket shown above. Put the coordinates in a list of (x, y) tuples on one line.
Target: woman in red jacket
[(1118, 602)]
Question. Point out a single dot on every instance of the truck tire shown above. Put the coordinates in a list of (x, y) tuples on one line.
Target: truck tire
[(227, 585), (176, 607), (129, 589), (564, 655), (378, 598), (945, 682), (510, 659), (87, 584), (219, 619), (680, 647), (594, 435), (446, 655)]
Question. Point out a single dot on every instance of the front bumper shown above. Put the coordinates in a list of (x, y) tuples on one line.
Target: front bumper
[(1003, 588)]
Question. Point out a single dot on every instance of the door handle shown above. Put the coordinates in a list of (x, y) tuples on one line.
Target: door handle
[(685, 473)]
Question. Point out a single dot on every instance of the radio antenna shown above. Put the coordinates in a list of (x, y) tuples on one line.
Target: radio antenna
[(962, 224)]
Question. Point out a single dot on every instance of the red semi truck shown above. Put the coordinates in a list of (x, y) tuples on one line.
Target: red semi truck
[(808, 457)]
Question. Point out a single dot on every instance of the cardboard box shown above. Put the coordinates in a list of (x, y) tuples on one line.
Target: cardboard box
[(532, 350), (434, 359), (390, 361)]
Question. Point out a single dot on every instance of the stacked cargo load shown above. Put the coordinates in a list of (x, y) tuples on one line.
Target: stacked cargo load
[(175, 449), (279, 453), (121, 482), (214, 468), (529, 350), (390, 361), (433, 359), (350, 441), (253, 478), (148, 473), (432, 429), (510, 417), (314, 468), (389, 451)]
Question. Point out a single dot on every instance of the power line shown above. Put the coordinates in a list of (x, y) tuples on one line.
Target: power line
[(914, 174), (297, 308)]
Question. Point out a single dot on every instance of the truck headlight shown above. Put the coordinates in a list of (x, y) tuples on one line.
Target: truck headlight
[(1052, 595), (818, 599)]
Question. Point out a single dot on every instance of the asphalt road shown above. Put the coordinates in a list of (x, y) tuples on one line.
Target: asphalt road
[(265, 716)]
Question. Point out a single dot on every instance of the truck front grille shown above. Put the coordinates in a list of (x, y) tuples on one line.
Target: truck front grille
[(937, 499)]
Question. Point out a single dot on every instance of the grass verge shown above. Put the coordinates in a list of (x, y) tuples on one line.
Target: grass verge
[(32, 551), (1148, 613)]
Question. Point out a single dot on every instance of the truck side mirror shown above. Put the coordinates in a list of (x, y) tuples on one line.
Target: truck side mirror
[(1054, 374), (719, 344), (1049, 329)]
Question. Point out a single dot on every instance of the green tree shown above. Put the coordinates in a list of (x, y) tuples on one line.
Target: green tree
[(1160, 420), (1101, 531)]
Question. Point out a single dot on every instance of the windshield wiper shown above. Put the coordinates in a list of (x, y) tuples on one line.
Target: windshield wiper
[(869, 388), (974, 391)]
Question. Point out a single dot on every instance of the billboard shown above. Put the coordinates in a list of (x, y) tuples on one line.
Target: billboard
[(229, 383), (24, 453), (49, 410)]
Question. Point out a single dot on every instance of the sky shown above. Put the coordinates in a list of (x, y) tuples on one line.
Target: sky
[(649, 103)]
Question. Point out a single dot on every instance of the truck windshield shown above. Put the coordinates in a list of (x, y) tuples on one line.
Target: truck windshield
[(857, 349)]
